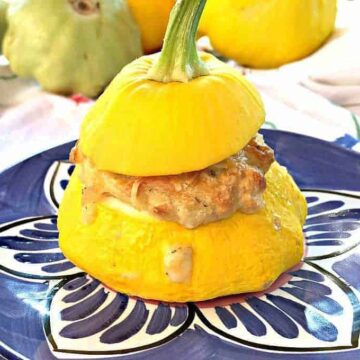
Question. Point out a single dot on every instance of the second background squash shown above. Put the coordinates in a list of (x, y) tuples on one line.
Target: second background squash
[(152, 17)]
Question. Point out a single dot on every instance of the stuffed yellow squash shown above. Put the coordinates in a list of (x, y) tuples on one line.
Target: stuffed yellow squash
[(175, 196)]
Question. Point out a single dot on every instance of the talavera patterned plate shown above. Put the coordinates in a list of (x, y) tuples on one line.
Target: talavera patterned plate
[(49, 309)]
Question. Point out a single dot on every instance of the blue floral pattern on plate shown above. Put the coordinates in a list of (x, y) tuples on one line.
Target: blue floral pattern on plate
[(29, 248), (332, 225), (111, 322), (312, 308), (304, 311)]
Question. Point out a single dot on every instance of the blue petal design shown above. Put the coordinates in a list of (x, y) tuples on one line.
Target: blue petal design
[(160, 320), (311, 199), (71, 169), (340, 226), (84, 308), (117, 321), (128, 327), (39, 258), (308, 275), (58, 267), (300, 304), (64, 184), (325, 206), (281, 323), (252, 324), (19, 243), (75, 283), (325, 243), (46, 226), (82, 292), (349, 270), (333, 225), (312, 286), (329, 235), (180, 315), (98, 322), (39, 234), (351, 214), (226, 317), (311, 321), (320, 302), (34, 242)]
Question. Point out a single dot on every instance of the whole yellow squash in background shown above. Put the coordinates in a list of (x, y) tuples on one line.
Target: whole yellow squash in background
[(152, 17), (268, 33)]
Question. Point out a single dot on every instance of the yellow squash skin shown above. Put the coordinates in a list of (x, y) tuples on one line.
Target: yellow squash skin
[(268, 33), (241, 254), (152, 17), (143, 127)]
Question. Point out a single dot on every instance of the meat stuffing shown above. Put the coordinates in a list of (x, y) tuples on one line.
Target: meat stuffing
[(190, 199)]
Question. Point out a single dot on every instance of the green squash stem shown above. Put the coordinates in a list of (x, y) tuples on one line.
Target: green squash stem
[(179, 60)]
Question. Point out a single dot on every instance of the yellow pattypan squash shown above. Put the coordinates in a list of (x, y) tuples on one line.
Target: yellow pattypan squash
[(152, 17), (71, 46), (268, 33)]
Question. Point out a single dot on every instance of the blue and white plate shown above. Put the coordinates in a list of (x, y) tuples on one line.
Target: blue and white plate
[(49, 309)]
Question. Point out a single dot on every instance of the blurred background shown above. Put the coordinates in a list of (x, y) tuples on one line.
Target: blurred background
[(57, 56)]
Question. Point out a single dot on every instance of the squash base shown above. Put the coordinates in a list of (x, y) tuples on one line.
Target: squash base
[(130, 253)]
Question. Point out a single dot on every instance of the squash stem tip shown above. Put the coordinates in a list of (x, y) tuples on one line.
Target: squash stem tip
[(179, 60)]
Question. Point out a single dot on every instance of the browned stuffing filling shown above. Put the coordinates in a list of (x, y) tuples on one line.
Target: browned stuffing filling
[(190, 199)]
